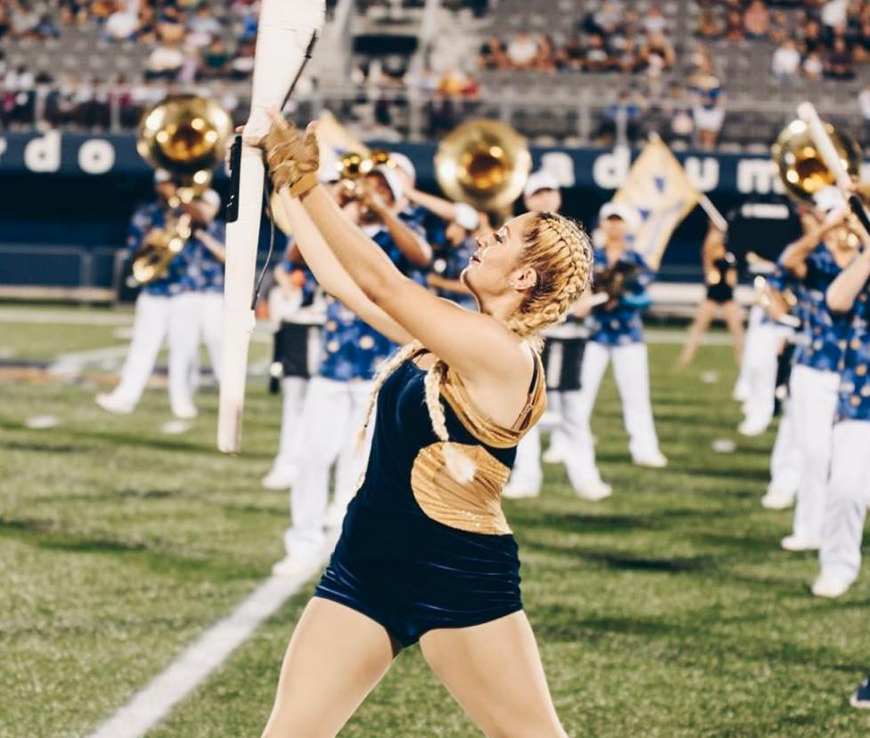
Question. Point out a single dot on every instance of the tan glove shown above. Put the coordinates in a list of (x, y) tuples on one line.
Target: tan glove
[(293, 160)]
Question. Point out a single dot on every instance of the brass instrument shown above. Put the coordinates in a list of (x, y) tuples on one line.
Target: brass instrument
[(187, 135), (484, 163), (801, 166)]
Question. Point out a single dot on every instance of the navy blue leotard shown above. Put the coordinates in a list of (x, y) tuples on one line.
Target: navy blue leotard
[(420, 550)]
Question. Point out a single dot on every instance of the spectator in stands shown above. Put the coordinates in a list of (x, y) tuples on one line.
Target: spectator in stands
[(787, 60), (813, 66), (838, 63), (734, 27), (546, 61), (708, 110), (678, 107), (813, 39), (780, 27), (709, 25), (571, 56), (493, 54), (122, 25), (242, 66), (834, 12), (597, 55), (655, 23), (621, 123), (522, 51), (165, 61), (861, 49), (756, 20), (24, 20), (214, 60), (658, 54)]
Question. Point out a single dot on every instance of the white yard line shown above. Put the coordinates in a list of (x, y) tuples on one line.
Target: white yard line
[(66, 317), (75, 361), (157, 699)]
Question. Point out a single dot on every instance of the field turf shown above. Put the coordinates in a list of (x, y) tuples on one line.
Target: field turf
[(667, 611)]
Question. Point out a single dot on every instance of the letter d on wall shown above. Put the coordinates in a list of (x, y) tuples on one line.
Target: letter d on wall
[(43, 154)]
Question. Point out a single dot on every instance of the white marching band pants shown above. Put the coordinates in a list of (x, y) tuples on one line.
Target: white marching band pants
[(813, 408), (758, 371), (211, 327), (332, 416), (150, 325), (631, 371), (785, 460), (848, 497), (292, 405)]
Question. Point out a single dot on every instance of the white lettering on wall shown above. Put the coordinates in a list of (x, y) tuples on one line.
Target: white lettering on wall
[(702, 173), (96, 156), (757, 175), (43, 154), (610, 170), (2, 147), (561, 166)]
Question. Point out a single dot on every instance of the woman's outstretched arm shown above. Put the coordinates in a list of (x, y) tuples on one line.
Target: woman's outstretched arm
[(474, 344), (844, 290), (332, 276)]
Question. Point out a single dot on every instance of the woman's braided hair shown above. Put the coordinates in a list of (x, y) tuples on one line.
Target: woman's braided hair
[(559, 251)]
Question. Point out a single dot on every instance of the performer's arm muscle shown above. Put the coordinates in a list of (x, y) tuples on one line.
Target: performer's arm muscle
[(333, 277), (794, 258), (477, 346)]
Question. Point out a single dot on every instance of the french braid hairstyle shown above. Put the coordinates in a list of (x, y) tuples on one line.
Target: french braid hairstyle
[(559, 251)]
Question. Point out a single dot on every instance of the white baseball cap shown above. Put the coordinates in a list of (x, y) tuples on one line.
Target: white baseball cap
[(162, 175), (829, 199), (466, 216), (211, 197), (540, 180), (405, 164), (393, 181), (618, 210)]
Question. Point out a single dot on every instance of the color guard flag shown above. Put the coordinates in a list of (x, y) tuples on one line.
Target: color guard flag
[(659, 191)]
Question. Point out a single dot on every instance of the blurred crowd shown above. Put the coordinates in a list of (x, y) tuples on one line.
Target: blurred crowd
[(614, 38)]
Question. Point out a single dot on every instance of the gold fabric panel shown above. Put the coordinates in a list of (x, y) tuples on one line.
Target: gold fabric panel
[(474, 507), (480, 425)]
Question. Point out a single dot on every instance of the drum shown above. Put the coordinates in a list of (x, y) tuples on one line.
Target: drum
[(563, 356), (296, 352)]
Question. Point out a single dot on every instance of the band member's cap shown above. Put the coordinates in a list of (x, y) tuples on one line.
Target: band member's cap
[(393, 181), (211, 197), (618, 210), (540, 180), (829, 199), (400, 161), (161, 176)]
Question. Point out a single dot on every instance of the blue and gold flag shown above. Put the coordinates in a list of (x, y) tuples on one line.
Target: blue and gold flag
[(659, 191)]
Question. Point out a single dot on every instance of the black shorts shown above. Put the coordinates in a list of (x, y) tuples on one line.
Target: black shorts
[(412, 574)]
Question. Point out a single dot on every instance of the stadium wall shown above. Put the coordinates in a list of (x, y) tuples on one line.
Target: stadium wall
[(67, 199)]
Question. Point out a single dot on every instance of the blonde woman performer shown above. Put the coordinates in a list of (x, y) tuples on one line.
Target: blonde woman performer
[(425, 552)]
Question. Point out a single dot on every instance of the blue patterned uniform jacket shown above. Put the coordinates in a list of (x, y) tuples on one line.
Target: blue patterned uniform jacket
[(824, 333), (205, 272), (854, 401), (143, 220), (622, 325), (351, 348)]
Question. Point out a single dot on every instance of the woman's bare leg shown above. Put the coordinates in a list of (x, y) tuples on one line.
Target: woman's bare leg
[(703, 318), (335, 658), (734, 321), (495, 673)]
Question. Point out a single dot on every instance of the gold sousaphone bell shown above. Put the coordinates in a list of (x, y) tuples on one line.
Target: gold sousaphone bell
[(484, 163), (186, 135), (801, 167)]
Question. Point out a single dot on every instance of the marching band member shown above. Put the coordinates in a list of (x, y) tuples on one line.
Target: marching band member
[(816, 259), (617, 334), (151, 321), (425, 554), (720, 276), (848, 491), (297, 289), (337, 398), (541, 194)]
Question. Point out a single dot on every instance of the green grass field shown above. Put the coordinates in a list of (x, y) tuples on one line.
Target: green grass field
[(668, 610)]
